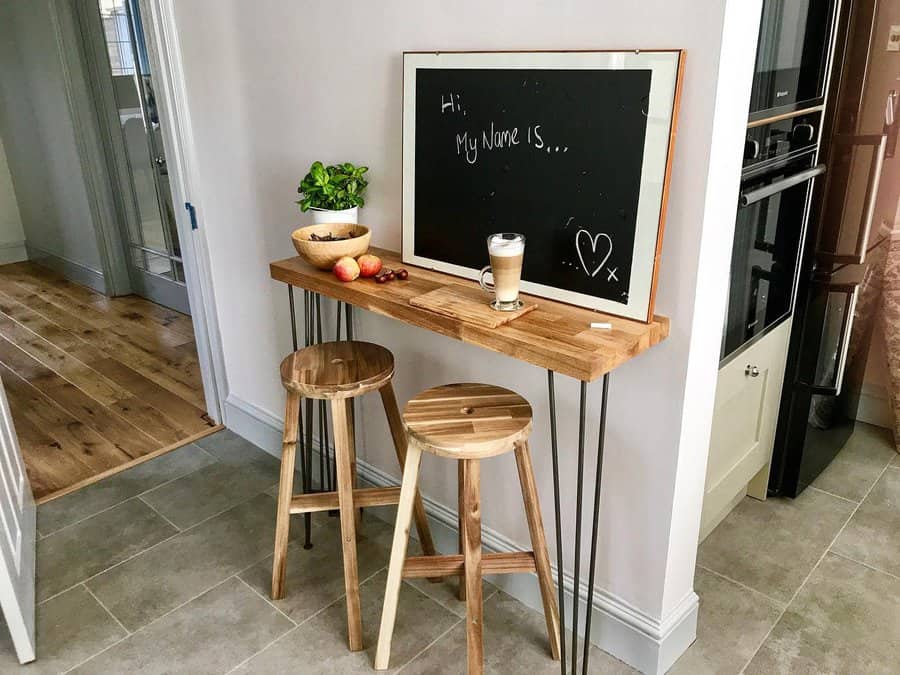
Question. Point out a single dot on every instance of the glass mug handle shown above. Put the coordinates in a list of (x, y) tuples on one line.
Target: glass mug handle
[(485, 285)]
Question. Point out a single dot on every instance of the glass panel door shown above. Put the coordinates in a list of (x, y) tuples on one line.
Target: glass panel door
[(155, 265)]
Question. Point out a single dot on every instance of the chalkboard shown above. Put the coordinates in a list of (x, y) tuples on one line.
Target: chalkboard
[(570, 149)]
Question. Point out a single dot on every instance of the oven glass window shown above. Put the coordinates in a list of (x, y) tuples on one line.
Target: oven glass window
[(792, 53), (767, 239)]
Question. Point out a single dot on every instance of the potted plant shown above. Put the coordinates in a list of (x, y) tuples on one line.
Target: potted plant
[(333, 193)]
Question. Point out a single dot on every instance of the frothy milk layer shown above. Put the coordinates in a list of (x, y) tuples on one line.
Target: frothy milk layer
[(503, 248)]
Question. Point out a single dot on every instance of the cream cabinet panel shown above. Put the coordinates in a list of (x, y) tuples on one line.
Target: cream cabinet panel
[(743, 431)]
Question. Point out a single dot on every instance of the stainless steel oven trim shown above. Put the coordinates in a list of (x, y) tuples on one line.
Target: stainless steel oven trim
[(753, 196)]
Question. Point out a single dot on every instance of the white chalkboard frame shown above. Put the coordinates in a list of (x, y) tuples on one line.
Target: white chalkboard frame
[(666, 68)]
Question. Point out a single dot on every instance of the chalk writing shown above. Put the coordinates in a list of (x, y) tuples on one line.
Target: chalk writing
[(584, 237), (494, 138)]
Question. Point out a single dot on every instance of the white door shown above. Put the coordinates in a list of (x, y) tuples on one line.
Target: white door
[(17, 528)]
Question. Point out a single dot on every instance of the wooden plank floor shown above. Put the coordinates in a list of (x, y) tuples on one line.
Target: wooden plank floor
[(95, 384)]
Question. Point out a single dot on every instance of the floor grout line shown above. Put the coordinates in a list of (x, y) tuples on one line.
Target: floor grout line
[(814, 568), (780, 603), (139, 494), (146, 626), (430, 644), (831, 494), (297, 626), (156, 511), (265, 599), (864, 564), (150, 548), (108, 610)]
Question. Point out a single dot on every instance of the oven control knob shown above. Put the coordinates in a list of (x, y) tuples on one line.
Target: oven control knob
[(803, 133), (751, 149)]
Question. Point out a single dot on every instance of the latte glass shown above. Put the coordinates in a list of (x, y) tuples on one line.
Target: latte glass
[(506, 251)]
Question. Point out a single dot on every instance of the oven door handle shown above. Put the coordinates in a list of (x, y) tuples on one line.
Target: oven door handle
[(753, 196)]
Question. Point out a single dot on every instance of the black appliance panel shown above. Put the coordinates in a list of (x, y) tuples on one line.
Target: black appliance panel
[(781, 140), (792, 54), (765, 256)]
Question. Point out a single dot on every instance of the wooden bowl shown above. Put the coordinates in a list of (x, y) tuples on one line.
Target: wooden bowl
[(324, 254)]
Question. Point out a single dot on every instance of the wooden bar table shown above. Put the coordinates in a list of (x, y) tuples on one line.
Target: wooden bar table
[(554, 336)]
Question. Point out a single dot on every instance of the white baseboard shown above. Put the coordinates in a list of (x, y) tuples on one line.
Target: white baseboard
[(13, 252), (70, 269), (644, 642)]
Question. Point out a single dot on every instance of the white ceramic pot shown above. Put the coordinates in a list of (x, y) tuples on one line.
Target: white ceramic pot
[(326, 216)]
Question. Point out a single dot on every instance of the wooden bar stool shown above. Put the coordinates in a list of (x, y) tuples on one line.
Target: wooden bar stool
[(339, 372), (467, 422)]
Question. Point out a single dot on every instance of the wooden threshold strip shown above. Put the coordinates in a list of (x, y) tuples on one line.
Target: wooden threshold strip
[(454, 565), (139, 460), (328, 501)]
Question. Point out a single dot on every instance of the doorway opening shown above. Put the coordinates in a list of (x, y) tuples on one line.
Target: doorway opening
[(98, 352)]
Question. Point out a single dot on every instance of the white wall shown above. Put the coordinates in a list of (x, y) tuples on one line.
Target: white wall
[(37, 128), (274, 85), (12, 236)]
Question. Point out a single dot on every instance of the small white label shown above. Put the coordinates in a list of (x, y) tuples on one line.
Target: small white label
[(894, 39)]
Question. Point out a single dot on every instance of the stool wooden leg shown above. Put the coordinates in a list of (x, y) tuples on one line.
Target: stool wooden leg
[(285, 492), (341, 414), (389, 400), (460, 510), (538, 544), (351, 450), (472, 553), (408, 493)]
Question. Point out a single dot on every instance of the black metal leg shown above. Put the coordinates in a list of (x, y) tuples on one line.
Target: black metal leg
[(579, 491), (307, 522), (560, 553), (307, 454), (560, 558), (595, 527)]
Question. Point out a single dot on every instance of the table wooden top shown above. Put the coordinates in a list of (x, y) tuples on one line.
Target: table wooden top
[(555, 336)]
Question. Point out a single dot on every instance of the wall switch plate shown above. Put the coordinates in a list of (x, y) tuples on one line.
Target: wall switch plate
[(893, 44)]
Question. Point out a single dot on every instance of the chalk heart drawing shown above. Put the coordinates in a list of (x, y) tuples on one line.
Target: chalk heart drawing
[(582, 239)]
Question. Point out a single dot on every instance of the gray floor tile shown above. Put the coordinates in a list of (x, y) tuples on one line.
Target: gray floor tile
[(211, 634), (320, 644), (844, 620), (732, 623), (228, 447), (115, 489), (315, 578), (859, 463), (75, 553), (771, 546), (204, 493), (515, 641), (873, 534), (445, 593), (70, 628), (152, 584)]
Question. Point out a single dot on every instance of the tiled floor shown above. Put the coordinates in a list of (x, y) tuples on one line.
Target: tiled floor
[(165, 569)]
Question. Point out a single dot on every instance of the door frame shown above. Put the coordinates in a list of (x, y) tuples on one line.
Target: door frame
[(171, 92)]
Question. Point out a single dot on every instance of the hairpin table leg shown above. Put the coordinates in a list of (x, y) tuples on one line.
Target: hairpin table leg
[(560, 553)]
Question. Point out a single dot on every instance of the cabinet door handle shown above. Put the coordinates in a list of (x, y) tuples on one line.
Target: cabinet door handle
[(752, 371)]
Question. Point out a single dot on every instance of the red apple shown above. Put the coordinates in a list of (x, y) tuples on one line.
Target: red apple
[(369, 265), (346, 269)]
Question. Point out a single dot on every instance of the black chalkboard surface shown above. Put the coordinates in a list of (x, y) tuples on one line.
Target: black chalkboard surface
[(557, 154)]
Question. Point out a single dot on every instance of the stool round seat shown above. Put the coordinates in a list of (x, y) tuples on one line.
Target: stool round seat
[(336, 370), (467, 421)]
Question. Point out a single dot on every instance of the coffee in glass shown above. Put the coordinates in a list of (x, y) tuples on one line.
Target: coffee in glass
[(506, 251)]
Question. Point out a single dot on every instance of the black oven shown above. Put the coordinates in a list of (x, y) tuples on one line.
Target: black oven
[(780, 166), (792, 56)]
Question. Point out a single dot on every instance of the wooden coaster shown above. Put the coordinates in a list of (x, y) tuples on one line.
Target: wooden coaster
[(467, 303)]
